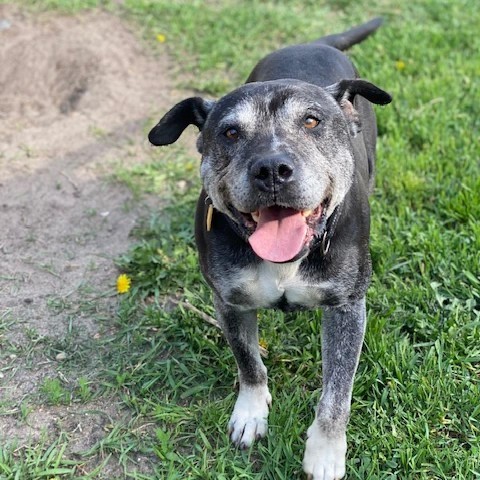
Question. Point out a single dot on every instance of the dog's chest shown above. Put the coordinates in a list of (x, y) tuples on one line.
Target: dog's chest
[(268, 285)]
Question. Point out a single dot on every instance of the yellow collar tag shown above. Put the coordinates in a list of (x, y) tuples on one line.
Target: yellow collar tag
[(209, 217)]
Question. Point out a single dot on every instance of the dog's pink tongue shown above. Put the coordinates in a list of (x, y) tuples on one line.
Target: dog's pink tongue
[(280, 234)]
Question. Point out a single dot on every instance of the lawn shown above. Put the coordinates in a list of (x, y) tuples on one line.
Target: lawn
[(416, 400)]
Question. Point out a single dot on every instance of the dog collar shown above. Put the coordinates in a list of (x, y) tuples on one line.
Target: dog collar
[(329, 231)]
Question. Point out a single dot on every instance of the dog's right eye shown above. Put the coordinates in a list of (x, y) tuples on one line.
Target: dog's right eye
[(231, 133)]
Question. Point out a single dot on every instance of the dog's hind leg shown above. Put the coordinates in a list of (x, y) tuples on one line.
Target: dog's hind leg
[(343, 329), (249, 418)]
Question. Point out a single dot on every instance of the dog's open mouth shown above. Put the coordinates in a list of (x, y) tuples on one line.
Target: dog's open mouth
[(279, 234)]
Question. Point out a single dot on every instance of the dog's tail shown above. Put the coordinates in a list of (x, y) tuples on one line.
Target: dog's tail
[(343, 41)]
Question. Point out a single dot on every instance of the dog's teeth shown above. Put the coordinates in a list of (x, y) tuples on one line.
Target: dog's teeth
[(255, 216), (307, 213)]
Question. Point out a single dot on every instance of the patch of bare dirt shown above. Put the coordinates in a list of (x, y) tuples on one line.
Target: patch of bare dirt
[(75, 95)]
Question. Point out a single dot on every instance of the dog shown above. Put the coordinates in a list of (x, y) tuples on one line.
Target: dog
[(283, 220)]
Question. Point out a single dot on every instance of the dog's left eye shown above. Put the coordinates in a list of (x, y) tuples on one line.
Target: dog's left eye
[(310, 122)]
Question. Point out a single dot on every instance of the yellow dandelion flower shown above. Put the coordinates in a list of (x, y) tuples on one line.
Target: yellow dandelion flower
[(400, 65), (161, 38), (123, 283)]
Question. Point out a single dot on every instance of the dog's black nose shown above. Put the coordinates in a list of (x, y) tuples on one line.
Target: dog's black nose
[(272, 172)]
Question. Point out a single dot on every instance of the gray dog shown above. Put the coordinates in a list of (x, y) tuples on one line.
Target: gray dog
[(283, 220)]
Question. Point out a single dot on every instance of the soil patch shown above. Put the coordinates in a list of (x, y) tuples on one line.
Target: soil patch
[(76, 94)]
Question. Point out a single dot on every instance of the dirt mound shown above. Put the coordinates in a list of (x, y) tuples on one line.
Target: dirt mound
[(53, 65), (46, 73)]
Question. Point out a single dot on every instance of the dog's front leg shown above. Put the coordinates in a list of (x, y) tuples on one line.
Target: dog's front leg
[(249, 418), (342, 337)]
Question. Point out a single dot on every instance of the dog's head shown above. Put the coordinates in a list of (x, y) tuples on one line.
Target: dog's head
[(277, 156)]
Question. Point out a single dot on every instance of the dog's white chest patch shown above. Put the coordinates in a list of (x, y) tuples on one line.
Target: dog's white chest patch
[(269, 282)]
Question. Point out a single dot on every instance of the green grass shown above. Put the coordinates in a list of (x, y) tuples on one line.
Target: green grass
[(416, 406), (33, 462)]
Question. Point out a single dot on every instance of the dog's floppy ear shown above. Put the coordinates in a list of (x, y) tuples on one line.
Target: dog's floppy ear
[(347, 89), (344, 92), (192, 110)]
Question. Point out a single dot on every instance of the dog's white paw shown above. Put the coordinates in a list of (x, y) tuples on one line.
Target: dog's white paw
[(249, 418), (324, 455)]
